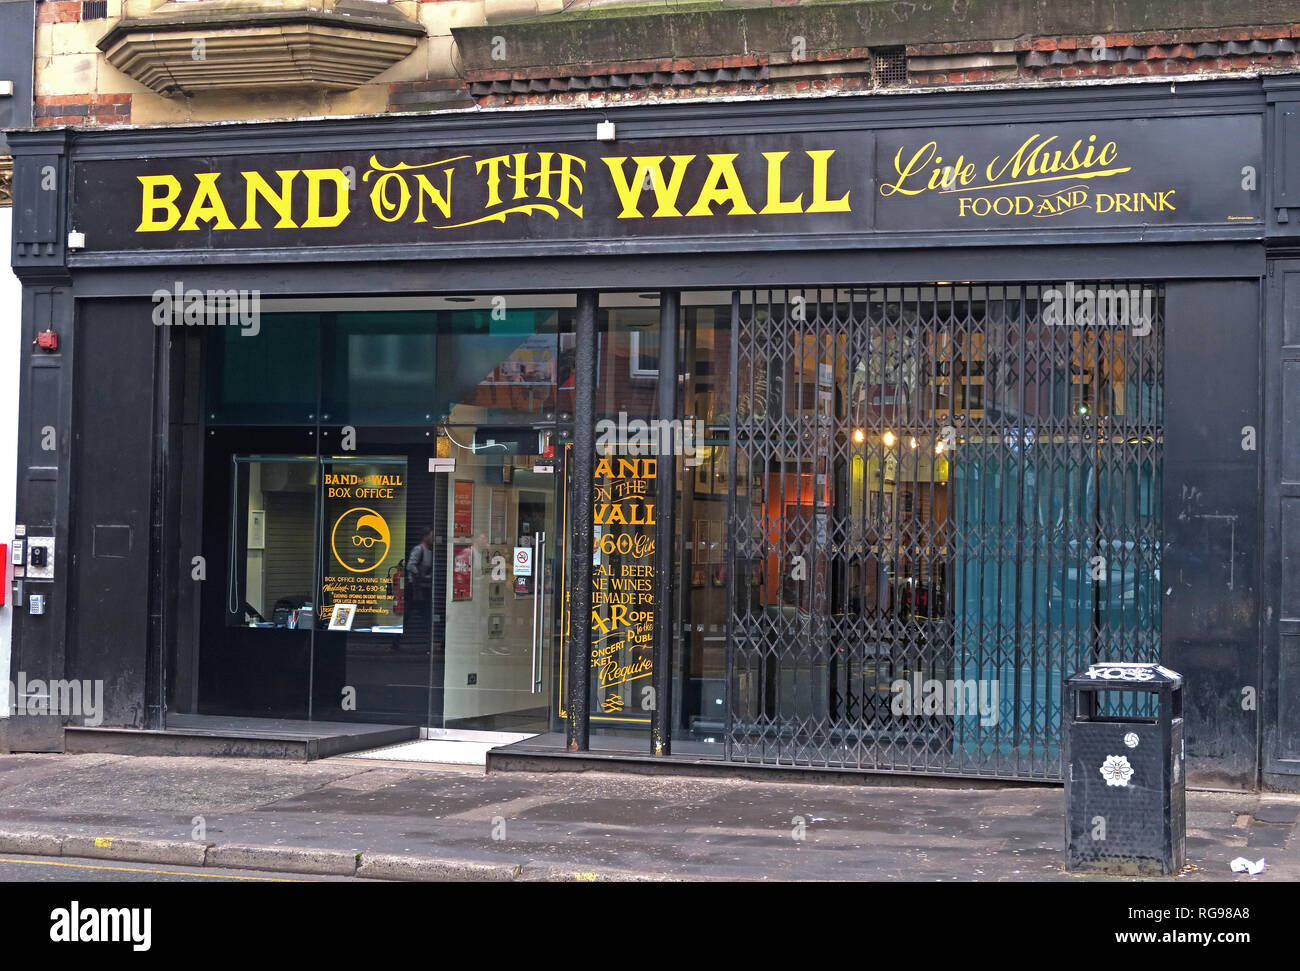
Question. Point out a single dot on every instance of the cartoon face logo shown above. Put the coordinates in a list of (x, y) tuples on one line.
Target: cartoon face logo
[(360, 540)]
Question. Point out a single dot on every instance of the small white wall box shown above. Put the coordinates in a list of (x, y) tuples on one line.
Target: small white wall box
[(76, 240), (6, 89), (604, 131)]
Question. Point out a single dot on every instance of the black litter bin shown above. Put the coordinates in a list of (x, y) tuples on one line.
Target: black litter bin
[(1125, 793)]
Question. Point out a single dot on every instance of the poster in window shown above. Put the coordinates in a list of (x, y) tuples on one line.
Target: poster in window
[(463, 508), (623, 606), (462, 571), (365, 539)]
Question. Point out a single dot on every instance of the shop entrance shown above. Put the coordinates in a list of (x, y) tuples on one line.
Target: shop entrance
[(379, 519), (492, 599)]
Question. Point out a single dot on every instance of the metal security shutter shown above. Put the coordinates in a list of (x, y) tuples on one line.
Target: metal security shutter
[(955, 504)]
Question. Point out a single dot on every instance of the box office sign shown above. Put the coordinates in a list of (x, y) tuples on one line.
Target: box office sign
[(365, 523), (1079, 174)]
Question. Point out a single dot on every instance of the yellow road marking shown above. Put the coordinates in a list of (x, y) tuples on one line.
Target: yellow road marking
[(175, 873)]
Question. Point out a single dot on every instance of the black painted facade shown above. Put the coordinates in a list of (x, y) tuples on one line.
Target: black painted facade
[(113, 494)]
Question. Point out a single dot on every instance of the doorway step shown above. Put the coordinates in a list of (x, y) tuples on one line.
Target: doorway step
[(219, 735), (445, 748)]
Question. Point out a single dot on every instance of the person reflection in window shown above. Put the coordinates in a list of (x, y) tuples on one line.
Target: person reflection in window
[(419, 591)]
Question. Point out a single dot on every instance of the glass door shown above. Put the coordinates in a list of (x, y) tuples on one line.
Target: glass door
[(495, 552)]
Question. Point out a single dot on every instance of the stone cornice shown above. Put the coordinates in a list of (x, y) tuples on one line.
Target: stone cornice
[(184, 48)]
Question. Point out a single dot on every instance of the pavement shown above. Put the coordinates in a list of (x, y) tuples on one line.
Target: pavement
[(399, 821)]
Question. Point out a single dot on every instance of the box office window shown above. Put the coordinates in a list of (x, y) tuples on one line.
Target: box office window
[(317, 542)]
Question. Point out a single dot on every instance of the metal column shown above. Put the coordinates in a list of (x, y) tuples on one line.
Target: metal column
[(577, 729), (661, 714)]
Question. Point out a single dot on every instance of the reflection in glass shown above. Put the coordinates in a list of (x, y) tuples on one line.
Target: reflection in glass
[(704, 480), (270, 379)]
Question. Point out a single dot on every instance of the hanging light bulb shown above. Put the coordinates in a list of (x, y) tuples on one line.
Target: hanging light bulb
[(888, 439), (859, 435), (911, 443)]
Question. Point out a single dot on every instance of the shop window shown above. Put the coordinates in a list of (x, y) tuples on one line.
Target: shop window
[(270, 378), (643, 353), (502, 361), (705, 576), (272, 571), (379, 369), (627, 356), (468, 361), (317, 543)]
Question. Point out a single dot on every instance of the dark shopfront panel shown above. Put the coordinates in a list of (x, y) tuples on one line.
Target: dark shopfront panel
[(889, 477)]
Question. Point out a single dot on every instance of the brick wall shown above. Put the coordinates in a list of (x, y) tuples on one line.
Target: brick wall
[(83, 109), (430, 80), (65, 33), (58, 12), (1024, 60)]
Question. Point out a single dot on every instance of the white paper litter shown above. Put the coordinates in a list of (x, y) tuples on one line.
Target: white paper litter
[(1243, 865)]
